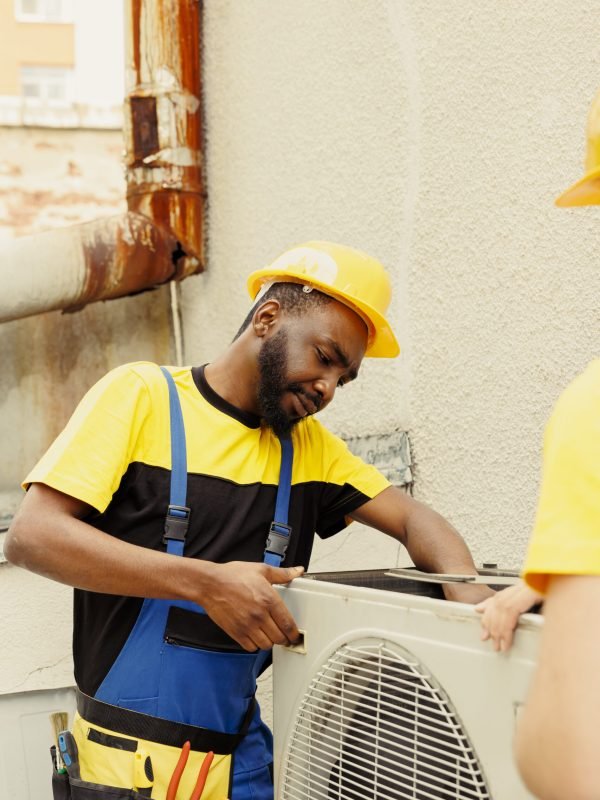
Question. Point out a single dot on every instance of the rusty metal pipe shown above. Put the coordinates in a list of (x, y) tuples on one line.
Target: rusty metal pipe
[(160, 238), (71, 267), (163, 123)]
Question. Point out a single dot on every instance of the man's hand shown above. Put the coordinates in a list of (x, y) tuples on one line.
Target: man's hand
[(239, 597), (500, 614), (48, 536)]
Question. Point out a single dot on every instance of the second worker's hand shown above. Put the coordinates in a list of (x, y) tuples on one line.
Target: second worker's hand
[(500, 614), (240, 598)]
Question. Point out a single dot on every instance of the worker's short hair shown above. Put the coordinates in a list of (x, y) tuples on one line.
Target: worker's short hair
[(293, 298)]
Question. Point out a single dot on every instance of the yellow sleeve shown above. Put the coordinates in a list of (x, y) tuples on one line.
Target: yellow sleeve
[(341, 467), (91, 455), (566, 535)]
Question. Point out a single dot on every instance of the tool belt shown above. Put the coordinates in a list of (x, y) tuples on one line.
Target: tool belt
[(126, 754)]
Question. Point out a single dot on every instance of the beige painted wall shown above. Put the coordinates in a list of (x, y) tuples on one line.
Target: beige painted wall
[(30, 44), (436, 136)]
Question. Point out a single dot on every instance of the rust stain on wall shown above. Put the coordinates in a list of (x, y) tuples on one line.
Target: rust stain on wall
[(51, 360), (39, 191), (22, 207), (135, 9)]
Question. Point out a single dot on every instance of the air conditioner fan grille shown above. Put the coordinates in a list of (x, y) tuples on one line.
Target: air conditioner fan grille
[(375, 725)]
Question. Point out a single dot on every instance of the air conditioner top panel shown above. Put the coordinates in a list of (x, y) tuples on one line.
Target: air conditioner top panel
[(376, 585)]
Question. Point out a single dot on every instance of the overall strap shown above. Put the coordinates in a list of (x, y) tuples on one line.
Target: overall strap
[(280, 531), (178, 514)]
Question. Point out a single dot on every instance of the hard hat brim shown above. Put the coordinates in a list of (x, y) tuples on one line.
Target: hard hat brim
[(585, 192), (382, 341)]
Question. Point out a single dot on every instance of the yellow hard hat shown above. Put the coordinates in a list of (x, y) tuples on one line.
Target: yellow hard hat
[(586, 192), (351, 276)]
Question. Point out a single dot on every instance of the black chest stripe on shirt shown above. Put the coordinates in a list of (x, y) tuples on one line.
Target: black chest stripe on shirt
[(229, 522)]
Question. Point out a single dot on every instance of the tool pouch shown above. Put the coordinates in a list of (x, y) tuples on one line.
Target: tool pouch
[(60, 786), (65, 788), (73, 789), (82, 790), (60, 780)]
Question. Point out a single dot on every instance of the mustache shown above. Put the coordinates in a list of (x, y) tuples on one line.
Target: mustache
[(315, 399)]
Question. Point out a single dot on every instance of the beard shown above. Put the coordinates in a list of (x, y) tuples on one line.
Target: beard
[(272, 365), (273, 384)]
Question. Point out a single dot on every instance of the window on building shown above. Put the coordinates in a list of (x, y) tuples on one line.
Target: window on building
[(46, 85), (44, 10)]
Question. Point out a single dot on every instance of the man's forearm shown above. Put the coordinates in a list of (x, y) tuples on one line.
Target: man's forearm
[(435, 545), (68, 550), (47, 537), (432, 542)]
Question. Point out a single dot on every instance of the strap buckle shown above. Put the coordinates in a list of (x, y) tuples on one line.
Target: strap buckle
[(278, 539), (176, 523)]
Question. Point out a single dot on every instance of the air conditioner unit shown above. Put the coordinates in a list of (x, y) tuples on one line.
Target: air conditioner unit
[(392, 695)]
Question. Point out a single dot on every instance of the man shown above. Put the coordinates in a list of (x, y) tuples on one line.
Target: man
[(558, 738), (181, 665)]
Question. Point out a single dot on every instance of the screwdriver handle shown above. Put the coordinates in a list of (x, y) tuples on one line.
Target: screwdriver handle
[(69, 753)]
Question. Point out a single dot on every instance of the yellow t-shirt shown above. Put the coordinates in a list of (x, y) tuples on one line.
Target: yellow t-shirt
[(566, 534), (115, 455)]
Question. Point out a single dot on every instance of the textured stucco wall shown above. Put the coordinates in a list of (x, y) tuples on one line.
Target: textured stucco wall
[(296, 150), (304, 115), (436, 136), (504, 286)]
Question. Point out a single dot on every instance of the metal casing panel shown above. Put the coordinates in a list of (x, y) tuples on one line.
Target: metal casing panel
[(485, 688)]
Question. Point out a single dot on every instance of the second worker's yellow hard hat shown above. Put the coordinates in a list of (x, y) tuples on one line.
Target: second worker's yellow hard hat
[(350, 276), (586, 191)]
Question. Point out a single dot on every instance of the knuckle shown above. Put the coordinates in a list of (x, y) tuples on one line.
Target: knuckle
[(288, 627), (256, 616)]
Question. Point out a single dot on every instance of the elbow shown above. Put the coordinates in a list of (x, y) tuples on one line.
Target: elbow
[(14, 550), (536, 778), (19, 544), (568, 780)]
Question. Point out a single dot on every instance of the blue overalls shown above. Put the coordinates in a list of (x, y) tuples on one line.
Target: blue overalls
[(168, 690)]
